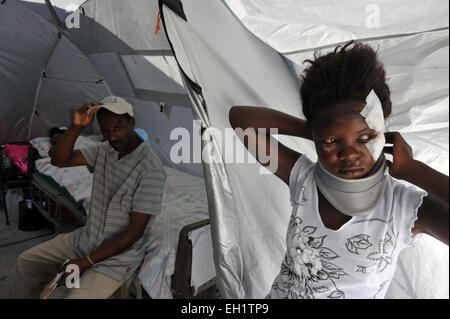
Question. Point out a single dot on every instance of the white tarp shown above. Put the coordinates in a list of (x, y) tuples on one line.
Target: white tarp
[(292, 25), (119, 26), (93, 49), (44, 75), (234, 67), (63, 8), (119, 37), (417, 71)]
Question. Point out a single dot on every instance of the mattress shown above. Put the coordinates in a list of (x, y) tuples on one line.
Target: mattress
[(184, 203), (76, 181)]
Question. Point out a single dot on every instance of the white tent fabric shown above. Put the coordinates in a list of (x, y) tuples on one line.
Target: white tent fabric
[(119, 26), (63, 8), (44, 75), (53, 67), (229, 52), (290, 25), (227, 65), (417, 68)]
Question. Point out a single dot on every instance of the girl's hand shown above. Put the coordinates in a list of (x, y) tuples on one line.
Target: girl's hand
[(82, 117), (402, 155)]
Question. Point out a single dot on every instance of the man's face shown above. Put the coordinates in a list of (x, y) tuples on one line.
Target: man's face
[(340, 134), (118, 130)]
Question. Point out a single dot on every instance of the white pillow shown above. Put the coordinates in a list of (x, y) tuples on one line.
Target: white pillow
[(42, 144)]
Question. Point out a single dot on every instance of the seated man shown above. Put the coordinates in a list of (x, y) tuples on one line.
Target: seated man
[(127, 190)]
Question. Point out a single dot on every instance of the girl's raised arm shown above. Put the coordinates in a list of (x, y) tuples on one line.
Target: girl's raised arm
[(254, 118), (433, 216)]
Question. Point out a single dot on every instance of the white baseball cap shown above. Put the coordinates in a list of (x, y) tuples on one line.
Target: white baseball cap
[(116, 105)]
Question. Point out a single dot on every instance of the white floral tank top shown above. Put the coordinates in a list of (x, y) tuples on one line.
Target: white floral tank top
[(356, 261)]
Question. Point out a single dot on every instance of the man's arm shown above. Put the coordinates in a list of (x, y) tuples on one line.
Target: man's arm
[(146, 198), (121, 242), (124, 240), (63, 154), (245, 117), (433, 215)]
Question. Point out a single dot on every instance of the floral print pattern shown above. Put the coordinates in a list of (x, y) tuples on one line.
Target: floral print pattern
[(310, 269), (355, 261), (358, 242), (307, 268), (383, 256)]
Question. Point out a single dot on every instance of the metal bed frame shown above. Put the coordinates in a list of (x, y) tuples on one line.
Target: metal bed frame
[(50, 202)]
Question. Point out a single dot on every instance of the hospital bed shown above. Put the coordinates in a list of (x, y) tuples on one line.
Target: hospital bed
[(178, 262)]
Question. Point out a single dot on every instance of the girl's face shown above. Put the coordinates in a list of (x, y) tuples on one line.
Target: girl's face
[(340, 134)]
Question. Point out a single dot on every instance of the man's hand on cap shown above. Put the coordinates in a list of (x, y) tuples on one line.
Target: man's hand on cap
[(82, 117)]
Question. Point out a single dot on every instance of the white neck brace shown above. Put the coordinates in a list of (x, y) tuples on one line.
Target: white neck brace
[(353, 197)]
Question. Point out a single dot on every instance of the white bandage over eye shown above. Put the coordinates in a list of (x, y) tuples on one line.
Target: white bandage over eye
[(373, 115)]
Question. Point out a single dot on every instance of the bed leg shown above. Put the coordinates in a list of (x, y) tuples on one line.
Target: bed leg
[(138, 287), (4, 202), (124, 291)]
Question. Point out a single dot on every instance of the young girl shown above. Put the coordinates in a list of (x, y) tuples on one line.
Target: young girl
[(351, 217)]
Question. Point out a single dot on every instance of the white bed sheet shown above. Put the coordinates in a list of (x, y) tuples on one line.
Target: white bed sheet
[(202, 264), (76, 180), (184, 203)]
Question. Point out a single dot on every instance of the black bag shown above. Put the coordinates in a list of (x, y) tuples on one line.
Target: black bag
[(30, 219), (12, 173)]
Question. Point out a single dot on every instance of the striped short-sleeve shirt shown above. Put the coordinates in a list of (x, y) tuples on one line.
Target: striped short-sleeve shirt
[(134, 183)]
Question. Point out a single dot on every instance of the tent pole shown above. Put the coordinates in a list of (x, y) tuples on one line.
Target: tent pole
[(34, 105), (38, 89), (54, 15)]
